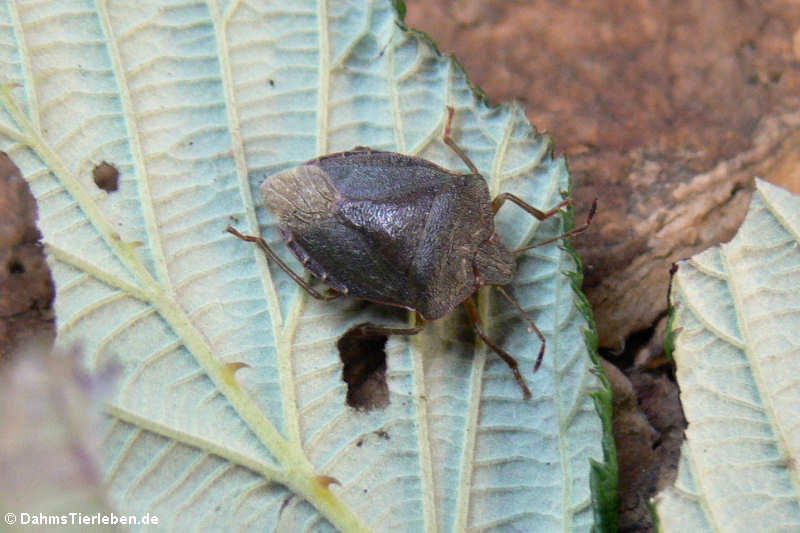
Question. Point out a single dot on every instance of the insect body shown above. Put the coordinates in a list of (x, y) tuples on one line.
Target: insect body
[(397, 230), (417, 236)]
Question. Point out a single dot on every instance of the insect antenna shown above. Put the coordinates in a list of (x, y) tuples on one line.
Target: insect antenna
[(570, 233), (532, 326)]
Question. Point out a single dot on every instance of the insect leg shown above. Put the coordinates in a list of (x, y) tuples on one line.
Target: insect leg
[(449, 141), (369, 329), (497, 203), (570, 233), (532, 327), (269, 252), (475, 318)]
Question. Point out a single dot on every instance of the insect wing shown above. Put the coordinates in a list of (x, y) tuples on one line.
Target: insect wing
[(384, 177), (419, 226)]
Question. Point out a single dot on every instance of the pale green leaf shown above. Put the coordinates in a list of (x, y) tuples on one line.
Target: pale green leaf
[(737, 349), (196, 104)]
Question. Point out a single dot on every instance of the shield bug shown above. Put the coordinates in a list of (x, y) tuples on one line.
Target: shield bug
[(398, 230)]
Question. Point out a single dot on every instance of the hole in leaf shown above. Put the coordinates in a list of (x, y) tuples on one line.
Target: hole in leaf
[(364, 371), (106, 176)]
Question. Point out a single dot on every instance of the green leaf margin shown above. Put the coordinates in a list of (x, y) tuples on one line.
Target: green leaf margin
[(604, 476)]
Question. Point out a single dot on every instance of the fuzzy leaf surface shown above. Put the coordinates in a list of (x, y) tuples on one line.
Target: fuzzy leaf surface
[(737, 349), (231, 401)]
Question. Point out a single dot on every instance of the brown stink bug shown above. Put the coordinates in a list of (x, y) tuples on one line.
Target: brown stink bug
[(398, 230)]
